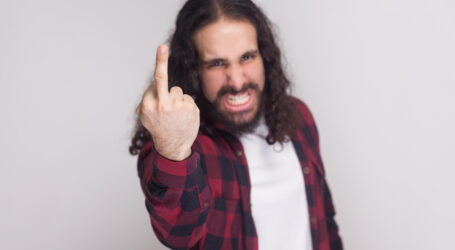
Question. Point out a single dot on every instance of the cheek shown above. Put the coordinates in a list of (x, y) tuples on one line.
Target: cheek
[(211, 84), (256, 73)]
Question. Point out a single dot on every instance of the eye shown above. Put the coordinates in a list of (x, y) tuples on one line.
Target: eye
[(216, 63), (246, 57)]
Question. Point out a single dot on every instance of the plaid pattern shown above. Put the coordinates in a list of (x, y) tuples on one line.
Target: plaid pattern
[(203, 202)]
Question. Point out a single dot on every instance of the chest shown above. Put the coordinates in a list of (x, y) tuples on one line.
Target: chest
[(232, 167), (274, 170)]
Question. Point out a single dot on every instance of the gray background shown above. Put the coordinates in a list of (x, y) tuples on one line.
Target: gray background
[(378, 76)]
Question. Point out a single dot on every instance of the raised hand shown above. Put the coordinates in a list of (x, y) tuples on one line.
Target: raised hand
[(171, 117)]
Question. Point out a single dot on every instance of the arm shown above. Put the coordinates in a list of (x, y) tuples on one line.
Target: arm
[(312, 136), (332, 227), (329, 209), (176, 193), (177, 197)]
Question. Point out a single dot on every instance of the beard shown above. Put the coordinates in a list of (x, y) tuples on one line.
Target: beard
[(237, 123)]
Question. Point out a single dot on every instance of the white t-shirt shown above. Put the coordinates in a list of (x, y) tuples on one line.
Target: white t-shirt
[(278, 197)]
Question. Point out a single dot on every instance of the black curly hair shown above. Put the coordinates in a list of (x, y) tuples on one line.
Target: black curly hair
[(278, 108)]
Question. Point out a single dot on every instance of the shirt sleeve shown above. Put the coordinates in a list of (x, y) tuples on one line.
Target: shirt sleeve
[(335, 241), (332, 239), (177, 197), (332, 227)]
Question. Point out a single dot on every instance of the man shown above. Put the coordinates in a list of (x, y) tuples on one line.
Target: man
[(228, 159)]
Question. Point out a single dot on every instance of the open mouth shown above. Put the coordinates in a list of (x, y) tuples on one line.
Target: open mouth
[(236, 100), (239, 102)]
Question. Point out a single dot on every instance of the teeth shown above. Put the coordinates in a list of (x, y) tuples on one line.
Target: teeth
[(238, 99)]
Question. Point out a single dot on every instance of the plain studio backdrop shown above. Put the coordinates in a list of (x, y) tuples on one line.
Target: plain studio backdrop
[(378, 76)]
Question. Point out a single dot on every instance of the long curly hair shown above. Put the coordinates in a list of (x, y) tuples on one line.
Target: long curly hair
[(281, 115)]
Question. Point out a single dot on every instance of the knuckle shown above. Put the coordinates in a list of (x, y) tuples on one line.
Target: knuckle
[(178, 105), (163, 107), (177, 90), (160, 76), (191, 107), (188, 97), (146, 106)]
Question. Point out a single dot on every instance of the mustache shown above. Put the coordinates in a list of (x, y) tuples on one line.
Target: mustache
[(230, 90)]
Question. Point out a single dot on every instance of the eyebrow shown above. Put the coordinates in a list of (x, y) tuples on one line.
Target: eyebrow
[(211, 61)]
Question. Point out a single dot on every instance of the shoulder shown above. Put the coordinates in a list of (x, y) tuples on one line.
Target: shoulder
[(307, 131), (304, 111)]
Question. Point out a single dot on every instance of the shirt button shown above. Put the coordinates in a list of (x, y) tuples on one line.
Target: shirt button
[(306, 170), (239, 153)]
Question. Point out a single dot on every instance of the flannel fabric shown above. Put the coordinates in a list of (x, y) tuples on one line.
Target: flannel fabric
[(203, 202)]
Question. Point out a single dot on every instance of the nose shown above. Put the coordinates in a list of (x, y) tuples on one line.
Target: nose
[(235, 76)]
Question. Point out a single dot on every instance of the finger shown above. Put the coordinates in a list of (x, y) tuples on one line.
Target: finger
[(161, 78), (147, 98), (176, 91), (138, 109), (188, 98)]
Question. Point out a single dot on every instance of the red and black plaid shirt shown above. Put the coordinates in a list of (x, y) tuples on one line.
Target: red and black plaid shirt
[(203, 202)]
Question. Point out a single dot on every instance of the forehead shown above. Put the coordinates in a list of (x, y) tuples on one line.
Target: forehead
[(226, 38)]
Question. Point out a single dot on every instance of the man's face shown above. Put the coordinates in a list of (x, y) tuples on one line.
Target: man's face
[(231, 69)]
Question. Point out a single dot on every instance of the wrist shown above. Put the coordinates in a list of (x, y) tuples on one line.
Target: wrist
[(175, 155)]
